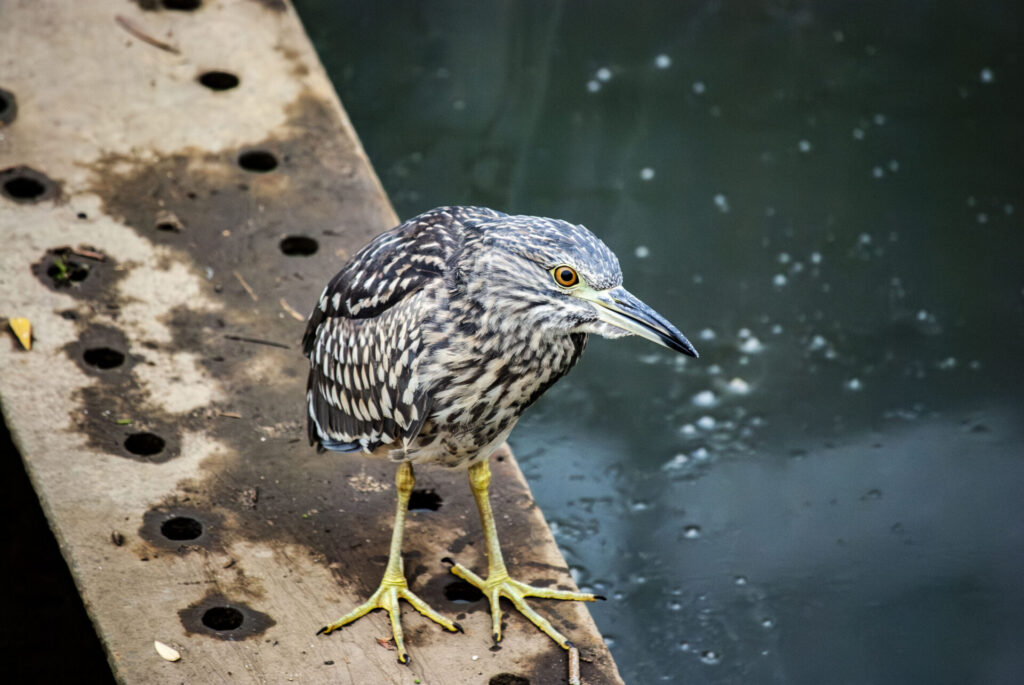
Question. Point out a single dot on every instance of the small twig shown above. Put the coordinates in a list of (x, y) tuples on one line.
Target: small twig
[(291, 310), (248, 288), (89, 254), (242, 338), (130, 26), (230, 414), (574, 666)]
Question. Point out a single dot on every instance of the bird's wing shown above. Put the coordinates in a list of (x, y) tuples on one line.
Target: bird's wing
[(364, 338)]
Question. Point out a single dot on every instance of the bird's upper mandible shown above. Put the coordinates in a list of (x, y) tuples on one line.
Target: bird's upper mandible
[(438, 333)]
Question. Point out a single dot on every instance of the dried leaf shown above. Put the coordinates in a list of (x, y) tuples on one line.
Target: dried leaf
[(386, 643), (166, 651), (22, 330)]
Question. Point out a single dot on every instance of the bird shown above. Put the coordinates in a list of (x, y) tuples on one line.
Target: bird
[(430, 343)]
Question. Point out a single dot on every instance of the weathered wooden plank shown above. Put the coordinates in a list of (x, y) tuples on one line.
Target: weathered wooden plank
[(160, 409)]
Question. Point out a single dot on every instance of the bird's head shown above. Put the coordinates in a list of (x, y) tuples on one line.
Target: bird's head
[(555, 276)]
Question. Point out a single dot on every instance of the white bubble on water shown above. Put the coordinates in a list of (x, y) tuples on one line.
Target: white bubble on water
[(604, 74), (783, 258), (815, 258), (662, 61), (701, 454), (1007, 209), (894, 166), (646, 174), (804, 146), (739, 386), (699, 87), (854, 385), (879, 119), (593, 86), (691, 532), (858, 134), (676, 462), (706, 422), (878, 172), (740, 580), (707, 334), (779, 280), (687, 429), (642, 251), (710, 657), (818, 342), (987, 75), (705, 398), (751, 345), (982, 218), (722, 202)]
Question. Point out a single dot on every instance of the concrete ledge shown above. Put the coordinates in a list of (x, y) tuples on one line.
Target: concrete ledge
[(165, 231)]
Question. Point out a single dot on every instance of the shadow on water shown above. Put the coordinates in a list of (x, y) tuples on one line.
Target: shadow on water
[(827, 198)]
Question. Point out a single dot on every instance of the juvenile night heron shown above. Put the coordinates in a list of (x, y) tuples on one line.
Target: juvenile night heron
[(429, 344)]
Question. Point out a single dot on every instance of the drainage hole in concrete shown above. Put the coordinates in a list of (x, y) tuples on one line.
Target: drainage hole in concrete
[(424, 500), (259, 161), (299, 246), (8, 107), (23, 188), (103, 357), (144, 444), (64, 271), (181, 528), (461, 592), (182, 5), (508, 679), (223, 618), (218, 80)]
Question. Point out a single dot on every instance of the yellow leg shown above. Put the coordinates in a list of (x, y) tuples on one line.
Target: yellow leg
[(498, 583), (394, 586)]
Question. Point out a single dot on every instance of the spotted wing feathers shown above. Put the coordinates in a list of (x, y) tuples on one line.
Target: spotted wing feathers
[(364, 338)]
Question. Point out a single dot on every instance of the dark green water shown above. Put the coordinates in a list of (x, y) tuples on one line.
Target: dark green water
[(827, 198)]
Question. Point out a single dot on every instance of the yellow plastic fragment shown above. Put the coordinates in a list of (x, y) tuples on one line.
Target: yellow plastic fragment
[(166, 651), (22, 328)]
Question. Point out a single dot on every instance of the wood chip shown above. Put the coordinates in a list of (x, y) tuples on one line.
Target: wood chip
[(166, 651), (291, 310), (230, 414), (22, 328), (248, 288)]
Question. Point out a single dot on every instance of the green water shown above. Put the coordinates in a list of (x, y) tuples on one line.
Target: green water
[(827, 199)]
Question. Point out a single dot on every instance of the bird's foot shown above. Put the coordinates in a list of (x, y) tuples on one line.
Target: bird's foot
[(500, 585), (386, 597)]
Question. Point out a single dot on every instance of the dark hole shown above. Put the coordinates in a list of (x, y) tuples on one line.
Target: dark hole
[(461, 592), (64, 271), (223, 618), (103, 357), (23, 188), (424, 500), (218, 80), (299, 246), (167, 226), (181, 528), (83, 215), (8, 107), (257, 160), (183, 5), (144, 444), (508, 679)]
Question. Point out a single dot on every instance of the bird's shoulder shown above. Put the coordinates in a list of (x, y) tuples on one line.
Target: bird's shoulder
[(394, 265)]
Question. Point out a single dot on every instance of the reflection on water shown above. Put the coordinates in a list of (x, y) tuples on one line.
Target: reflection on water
[(827, 200)]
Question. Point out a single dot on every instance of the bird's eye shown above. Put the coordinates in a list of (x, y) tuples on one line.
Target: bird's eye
[(565, 276)]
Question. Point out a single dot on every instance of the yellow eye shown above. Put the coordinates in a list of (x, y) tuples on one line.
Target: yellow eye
[(565, 276)]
